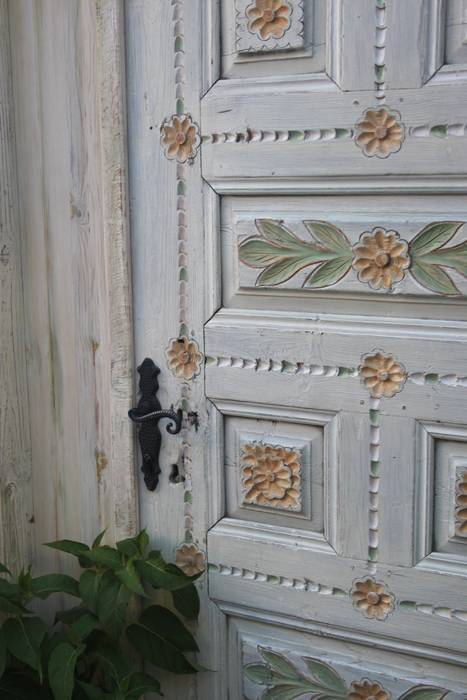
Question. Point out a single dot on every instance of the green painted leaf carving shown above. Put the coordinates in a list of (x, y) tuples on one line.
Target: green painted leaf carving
[(279, 663), (284, 692), (276, 233), (281, 271), (258, 253), (424, 692), (433, 236), (433, 277), (259, 673), (326, 676), (329, 236), (454, 257), (328, 273)]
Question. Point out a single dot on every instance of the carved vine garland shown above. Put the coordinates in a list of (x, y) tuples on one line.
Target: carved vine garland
[(380, 259), (283, 680)]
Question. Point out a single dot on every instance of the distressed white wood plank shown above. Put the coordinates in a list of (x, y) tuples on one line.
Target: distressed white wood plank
[(67, 66), (16, 546), (353, 54)]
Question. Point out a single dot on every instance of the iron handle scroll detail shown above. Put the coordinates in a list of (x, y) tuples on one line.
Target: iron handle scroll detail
[(147, 415)]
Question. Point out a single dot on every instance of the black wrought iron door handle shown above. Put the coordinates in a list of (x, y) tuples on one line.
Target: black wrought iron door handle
[(147, 415)]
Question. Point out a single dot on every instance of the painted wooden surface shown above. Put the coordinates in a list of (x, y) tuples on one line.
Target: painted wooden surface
[(69, 108), (15, 457), (316, 489)]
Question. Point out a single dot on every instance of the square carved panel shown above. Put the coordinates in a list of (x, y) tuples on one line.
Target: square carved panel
[(269, 25), (274, 465)]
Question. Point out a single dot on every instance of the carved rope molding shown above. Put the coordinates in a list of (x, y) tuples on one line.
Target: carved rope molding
[(180, 140), (284, 680), (380, 50), (381, 259), (356, 595)]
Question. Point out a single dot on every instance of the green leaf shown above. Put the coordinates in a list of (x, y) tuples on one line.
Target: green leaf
[(142, 540), (129, 547), (94, 693), (115, 662), (259, 673), (62, 665), (326, 676), (279, 663), (161, 638), (330, 236), (112, 603), (82, 628), (10, 607), (454, 257), (328, 273), (16, 686), (433, 236), (258, 253), (24, 637), (276, 233), (434, 278), (160, 575), (7, 589), (140, 683), (106, 556), (162, 621), (98, 539), (69, 546), (3, 652), (186, 601), (424, 692), (283, 271), (89, 588), (4, 570), (43, 586), (129, 577), (68, 617)]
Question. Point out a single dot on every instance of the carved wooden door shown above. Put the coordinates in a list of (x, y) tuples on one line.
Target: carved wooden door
[(298, 180)]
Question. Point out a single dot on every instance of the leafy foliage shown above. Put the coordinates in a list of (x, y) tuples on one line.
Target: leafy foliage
[(95, 650), (284, 681)]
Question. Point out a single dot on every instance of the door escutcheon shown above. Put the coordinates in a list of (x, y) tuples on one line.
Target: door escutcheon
[(147, 414)]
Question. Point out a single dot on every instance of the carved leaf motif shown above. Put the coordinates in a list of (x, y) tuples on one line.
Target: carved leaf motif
[(330, 236), (433, 236), (278, 663), (328, 273), (284, 692), (282, 271), (276, 233), (424, 692), (259, 673), (327, 676), (433, 277)]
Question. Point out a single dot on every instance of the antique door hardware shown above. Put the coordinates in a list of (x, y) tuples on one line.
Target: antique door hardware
[(147, 414)]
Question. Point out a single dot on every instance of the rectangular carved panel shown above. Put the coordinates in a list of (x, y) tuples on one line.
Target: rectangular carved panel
[(274, 662), (345, 249)]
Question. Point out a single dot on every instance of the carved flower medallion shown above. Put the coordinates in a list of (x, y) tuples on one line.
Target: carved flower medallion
[(372, 599), (381, 258), (190, 559), (379, 133), (461, 503), (269, 18), (271, 475), (367, 690), (184, 357), (180, 138), (382, 375)]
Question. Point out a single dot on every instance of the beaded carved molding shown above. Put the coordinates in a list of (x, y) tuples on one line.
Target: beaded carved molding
[(180, 140), (284, 680), (380, 260)]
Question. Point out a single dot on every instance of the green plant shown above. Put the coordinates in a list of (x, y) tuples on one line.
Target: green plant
[(96, 649)]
